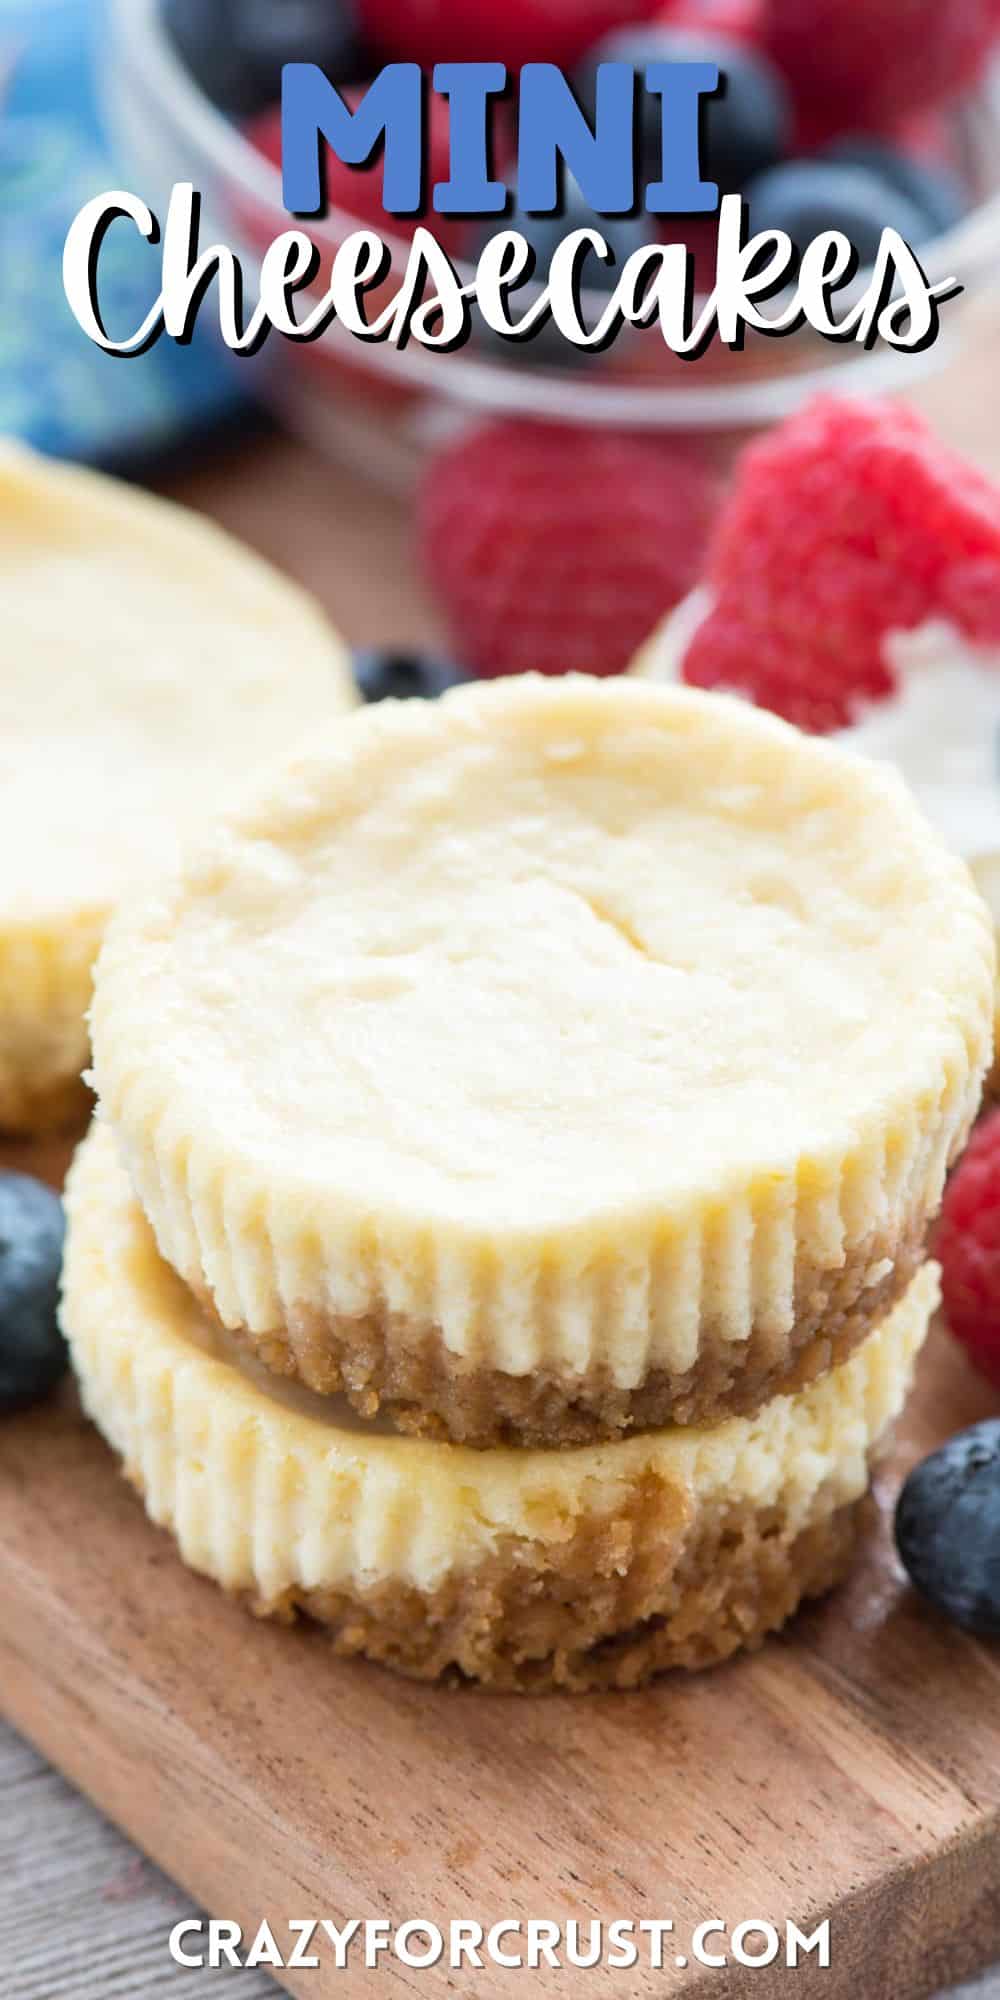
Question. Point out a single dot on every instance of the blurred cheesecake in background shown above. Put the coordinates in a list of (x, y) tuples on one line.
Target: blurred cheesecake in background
[(147, 663)]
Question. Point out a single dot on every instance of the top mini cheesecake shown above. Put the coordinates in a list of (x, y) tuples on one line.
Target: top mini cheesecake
[(560, 1058)]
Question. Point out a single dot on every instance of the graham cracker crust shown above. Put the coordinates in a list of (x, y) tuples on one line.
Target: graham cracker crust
[(390, 1366), (625, 1599)]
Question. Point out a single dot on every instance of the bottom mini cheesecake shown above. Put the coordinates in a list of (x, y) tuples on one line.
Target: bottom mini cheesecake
[(524, 1569), (45, 990)]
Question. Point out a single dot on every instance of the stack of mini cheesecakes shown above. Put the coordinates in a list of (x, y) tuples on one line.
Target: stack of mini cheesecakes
[(503, 1234)]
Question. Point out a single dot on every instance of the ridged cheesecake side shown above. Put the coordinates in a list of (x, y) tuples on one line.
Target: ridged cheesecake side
[(560, 1058)]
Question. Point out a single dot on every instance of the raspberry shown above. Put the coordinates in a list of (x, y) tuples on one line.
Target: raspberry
[(520, 31), (928, 136), (358, 190), (856, 65), (736, 20), (968, 1249), (972, 599), (556, 549), (845, 523)]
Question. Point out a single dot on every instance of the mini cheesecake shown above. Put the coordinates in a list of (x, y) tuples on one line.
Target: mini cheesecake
[(147, 662), (523, 1569), (557, 1059)]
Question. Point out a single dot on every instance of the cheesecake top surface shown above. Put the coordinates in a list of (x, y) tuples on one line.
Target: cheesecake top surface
[(546, 950)]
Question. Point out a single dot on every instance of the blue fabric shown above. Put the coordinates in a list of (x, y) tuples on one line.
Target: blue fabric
[(58, 390)]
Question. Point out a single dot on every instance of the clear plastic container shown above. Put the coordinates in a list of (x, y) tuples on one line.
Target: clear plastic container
[(384, 408)]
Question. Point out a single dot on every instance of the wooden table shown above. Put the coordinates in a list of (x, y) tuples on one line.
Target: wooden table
[(81, 1913)]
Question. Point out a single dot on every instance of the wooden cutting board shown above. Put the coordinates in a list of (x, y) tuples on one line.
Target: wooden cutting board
[(850, 1770)]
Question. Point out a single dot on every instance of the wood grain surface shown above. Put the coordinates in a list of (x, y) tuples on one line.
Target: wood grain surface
[(83, 1916), (852, 1769)]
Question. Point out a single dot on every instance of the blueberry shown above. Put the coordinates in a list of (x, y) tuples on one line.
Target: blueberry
[(381, 675), (235, 48), (32, 1350), (934, 189), (805, 197), (746, 128), (948, 1528)]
